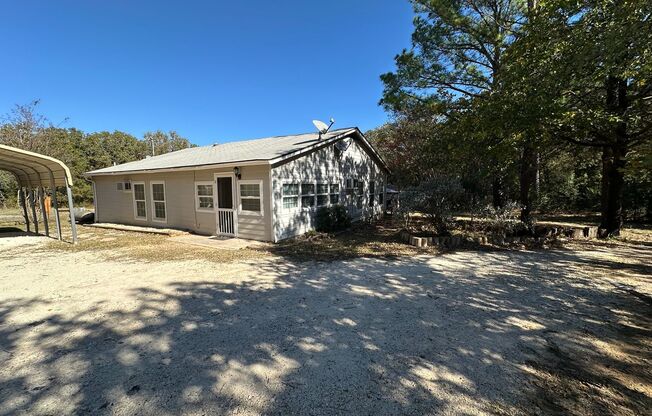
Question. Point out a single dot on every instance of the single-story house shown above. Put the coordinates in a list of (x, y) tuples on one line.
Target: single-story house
[(265, 189)]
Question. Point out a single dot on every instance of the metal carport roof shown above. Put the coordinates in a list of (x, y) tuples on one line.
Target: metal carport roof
[(34, 172), (33, 169)]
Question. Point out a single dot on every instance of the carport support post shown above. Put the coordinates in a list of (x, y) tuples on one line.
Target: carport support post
[(21, 193), (32, 203), (55, 204), (73, 225), (41, 197)]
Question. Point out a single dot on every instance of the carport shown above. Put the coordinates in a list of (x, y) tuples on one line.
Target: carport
[(36, 174)]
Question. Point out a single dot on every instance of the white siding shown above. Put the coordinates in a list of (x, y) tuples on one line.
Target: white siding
[(324, 165), (116, 206)]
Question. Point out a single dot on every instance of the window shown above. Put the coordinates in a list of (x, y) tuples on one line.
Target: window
[(350, 187), (140, 207), (307, 195), (158, 201), (250, 198), (290, 195), (372, 193), (335, 193), (322, 194), (381, 193), (204, 196), (359, 188), (123, 186)]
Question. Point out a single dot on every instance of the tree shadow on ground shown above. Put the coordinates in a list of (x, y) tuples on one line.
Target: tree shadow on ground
[(494, 332)]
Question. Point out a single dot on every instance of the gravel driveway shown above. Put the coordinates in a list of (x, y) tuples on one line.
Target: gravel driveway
[(504, 332)]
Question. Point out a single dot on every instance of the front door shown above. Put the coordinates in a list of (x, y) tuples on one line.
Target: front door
[(226, 215)]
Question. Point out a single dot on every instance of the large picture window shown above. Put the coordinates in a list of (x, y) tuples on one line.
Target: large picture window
[(140, 205), (159, 212), (290, 195), (204, 196), (250, 197)]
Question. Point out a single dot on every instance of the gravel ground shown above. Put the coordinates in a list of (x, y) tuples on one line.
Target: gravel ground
[(494, 332)]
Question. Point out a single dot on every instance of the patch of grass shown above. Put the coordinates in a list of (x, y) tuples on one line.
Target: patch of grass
[(361, 240), (127, 245)]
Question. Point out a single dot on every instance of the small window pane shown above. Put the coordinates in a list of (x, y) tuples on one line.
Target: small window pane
[(247, 189), (307, 201), (335, 188), (290, 189), (372, 187), (291, 202), (205, 190), (127, 186), (335, 198), (158, 192), (206, 202), (251, 204), (360, 186), (359, 203), (140, 209), (322, 188), (139, 192), (119, 186), (307, 188), (159, 209), (380, 199), (322, 200)]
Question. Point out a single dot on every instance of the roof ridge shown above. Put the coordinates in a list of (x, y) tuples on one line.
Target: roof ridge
[(276, 137)]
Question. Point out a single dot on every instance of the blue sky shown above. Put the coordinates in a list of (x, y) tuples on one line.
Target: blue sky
[(212, 70)]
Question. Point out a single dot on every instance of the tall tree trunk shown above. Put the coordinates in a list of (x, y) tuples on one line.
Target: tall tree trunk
[(614, 218), (527, 179), (614, 161), (607, 162)]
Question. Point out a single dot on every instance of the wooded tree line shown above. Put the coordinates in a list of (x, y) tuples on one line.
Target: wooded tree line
[(546, 103), (23, 127)]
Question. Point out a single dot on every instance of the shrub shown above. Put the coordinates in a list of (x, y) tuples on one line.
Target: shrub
[(436, 198), (333, 218), (505, 220)]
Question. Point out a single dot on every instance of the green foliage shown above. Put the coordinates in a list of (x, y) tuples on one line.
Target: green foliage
[(547, 103), (437, 198), (25, 128), (332, 218)]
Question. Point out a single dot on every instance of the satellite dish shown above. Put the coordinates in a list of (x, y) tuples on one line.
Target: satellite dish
[(321, 126)]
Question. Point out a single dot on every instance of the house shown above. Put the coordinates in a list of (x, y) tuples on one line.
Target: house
[(265, 189)]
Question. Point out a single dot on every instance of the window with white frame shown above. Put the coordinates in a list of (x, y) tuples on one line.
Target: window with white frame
[(250, 197), (322, 194), (335, 193), (290, 195), (140, 205), (307, 195), (350, 188), (359, 190), (124, 186), (159, 212), (204, 196)]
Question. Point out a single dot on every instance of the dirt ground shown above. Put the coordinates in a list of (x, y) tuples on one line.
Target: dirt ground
[(558, 331)]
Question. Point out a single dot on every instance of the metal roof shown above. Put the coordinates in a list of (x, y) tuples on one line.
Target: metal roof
[(33, 169), (263, 150)]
